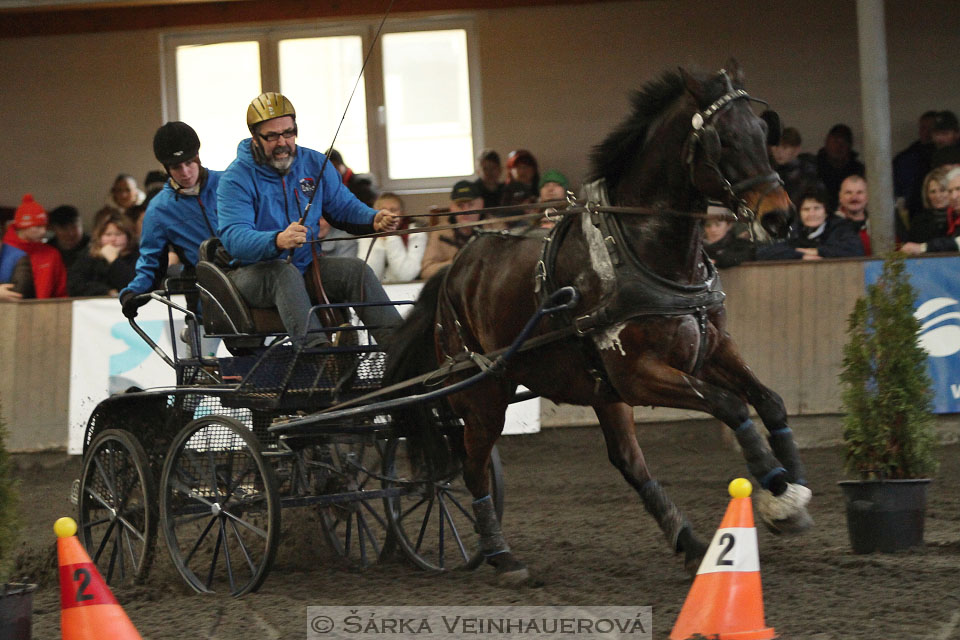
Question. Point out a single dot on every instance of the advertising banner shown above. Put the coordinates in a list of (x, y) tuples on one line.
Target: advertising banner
[(107, 356), (938, 309)]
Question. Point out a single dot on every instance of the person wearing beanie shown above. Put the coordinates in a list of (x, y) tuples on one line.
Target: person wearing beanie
[(522, 168), (553, 186), (24, 239), (180, 216)]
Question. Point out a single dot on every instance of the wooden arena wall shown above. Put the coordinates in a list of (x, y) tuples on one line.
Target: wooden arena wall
[(788, 319), (80, 107)]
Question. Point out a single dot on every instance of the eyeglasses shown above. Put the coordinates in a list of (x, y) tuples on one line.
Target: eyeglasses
[(274, 136)]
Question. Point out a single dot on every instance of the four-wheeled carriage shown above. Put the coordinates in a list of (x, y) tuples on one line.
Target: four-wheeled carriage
[(210, 463)]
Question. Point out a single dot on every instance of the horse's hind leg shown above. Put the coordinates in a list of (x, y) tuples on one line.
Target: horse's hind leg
[(483, 414), (624, 453)]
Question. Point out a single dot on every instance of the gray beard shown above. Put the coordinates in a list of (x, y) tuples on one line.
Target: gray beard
[(280, 166)]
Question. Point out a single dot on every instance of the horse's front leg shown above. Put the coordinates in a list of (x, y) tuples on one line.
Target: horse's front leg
[(616, 421), (725, 368), (483, 409), (648, 380)]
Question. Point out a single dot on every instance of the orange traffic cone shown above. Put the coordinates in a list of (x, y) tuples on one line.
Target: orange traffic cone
[(88, 609), (726, 600)]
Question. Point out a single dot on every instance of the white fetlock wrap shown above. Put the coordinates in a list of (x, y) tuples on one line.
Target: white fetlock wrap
[(786, 513)]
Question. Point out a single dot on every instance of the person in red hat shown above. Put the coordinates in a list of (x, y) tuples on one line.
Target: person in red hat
[(24, 238)]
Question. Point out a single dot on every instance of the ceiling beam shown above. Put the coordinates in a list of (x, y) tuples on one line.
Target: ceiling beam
[(117, 16)]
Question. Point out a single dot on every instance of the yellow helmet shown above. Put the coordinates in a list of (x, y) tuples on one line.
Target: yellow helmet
[(268, 106)]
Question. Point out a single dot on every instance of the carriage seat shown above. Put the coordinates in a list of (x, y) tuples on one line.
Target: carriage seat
[(224, 309)]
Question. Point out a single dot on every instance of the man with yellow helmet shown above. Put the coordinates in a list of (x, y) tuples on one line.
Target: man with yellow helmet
[(261, 200)]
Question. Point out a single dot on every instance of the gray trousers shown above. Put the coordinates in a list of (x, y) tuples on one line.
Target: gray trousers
[(277, 283)]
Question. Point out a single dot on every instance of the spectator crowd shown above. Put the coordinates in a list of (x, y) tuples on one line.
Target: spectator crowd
[(50, 254)]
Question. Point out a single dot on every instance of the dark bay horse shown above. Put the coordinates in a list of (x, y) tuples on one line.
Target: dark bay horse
[(650, 324)]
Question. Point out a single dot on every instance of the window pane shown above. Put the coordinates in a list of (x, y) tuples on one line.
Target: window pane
[(215, 83), (427, 94), (318, 74)]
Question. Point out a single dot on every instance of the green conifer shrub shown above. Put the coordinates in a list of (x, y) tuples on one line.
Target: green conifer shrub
[(888, 428)]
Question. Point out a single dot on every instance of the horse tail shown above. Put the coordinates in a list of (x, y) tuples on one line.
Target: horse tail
[(411, 352)]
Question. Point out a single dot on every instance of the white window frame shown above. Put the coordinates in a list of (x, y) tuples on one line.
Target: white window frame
[(269, 38)]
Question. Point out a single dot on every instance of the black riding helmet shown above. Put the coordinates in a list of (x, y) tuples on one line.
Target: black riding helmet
[(174, 143)]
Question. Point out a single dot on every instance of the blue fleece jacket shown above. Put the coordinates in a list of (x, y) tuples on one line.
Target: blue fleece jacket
[(174, 219), (255, 203)]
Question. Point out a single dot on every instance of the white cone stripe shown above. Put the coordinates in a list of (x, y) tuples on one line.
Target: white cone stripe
[(732, 549)]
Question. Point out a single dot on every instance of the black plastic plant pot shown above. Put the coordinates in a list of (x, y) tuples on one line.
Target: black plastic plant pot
[(885, 515), (16, 610)]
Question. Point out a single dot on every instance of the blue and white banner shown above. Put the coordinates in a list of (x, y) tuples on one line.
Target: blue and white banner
[(937, 285), (107, 356)]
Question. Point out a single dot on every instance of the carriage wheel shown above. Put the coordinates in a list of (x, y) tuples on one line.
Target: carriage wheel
[(118, 508), (433, 520), (219, 507), (355, 529)]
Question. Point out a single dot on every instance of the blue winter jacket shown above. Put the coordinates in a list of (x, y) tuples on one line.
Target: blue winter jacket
[(177, 220), (255, 203)]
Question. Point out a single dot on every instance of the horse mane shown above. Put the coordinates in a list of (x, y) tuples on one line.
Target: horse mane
[(612, 158)]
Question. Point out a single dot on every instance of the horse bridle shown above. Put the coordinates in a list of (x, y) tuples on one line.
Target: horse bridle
[(704, 135)]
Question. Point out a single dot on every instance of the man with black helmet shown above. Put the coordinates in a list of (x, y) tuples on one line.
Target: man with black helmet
[(182, 215), (261, 201)]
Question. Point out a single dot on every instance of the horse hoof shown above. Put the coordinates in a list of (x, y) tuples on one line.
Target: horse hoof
[(513, 578), (693, 550), (786, 513), (510, 571)]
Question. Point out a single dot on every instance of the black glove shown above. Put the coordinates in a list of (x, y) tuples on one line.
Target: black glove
[(131, 301)]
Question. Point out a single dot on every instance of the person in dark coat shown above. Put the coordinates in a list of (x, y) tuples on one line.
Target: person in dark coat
[(816, 235), (110, 264), (836, 161)]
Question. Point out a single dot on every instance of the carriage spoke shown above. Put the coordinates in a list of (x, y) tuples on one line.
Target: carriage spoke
[(453, 528), (103, 475), (104, 540), (183, 488), (128, 526), (90, 525), (196, 545), (360, 541), (441, 536), (243, 547), (213, 559), (423, 525), (347, 536), (226, 555), (403, 515), (260, 532), (118, 545), (379, 518), (112, 563), (96, 496), (133, 555), (362, 522), (213, 471), (460, 506)]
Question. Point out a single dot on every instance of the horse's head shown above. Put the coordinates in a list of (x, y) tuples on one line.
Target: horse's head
[(726, 151)]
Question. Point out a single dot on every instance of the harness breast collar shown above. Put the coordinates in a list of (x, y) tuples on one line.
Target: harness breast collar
[(635, 290)]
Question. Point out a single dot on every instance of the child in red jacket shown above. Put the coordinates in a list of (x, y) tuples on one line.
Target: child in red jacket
[(24, 238)]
